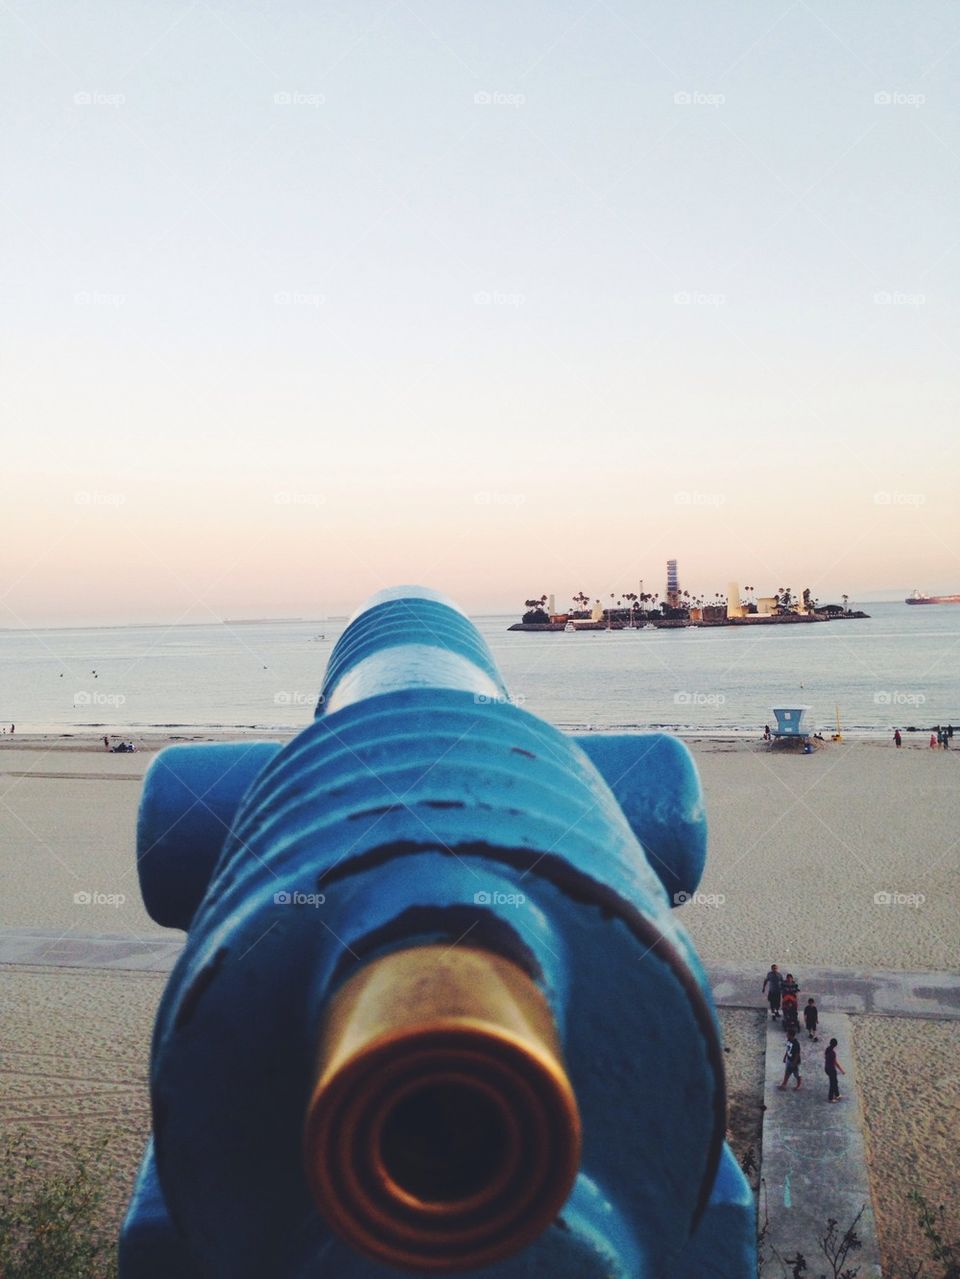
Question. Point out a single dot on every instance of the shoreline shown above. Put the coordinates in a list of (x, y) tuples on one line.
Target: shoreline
[(154, 737)]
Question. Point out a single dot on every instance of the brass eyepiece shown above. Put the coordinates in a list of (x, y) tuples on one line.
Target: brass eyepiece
[(442, 1133)]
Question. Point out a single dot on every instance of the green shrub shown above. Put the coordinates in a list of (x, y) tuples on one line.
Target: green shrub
[(49, 1221)]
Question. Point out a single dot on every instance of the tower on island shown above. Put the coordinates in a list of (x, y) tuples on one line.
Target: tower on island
[(673, 584)]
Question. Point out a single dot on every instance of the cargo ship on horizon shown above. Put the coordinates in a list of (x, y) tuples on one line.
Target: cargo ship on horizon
[(916, 598)]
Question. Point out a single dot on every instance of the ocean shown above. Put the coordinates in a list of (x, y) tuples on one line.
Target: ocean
[(896, 668)]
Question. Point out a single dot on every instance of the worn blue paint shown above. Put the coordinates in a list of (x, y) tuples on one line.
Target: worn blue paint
[(422, 806)]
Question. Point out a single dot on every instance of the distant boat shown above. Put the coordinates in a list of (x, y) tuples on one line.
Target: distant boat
[(569, 627), (916, 598)]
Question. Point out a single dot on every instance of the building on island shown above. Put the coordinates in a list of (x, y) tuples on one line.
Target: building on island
[(734, 607)]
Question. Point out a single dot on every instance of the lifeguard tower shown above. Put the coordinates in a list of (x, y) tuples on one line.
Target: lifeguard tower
[(791, 721)]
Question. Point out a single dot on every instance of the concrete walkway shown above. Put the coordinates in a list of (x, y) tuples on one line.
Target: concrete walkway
[(931, 995), (35, 947), (887, 993), (813, 1164)]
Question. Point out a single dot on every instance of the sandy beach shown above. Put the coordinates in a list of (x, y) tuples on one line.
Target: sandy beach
[(844, 858)]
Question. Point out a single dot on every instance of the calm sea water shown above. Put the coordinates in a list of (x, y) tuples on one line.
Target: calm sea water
[(899, 667)]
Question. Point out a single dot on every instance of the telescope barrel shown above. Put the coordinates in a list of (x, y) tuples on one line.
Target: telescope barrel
[(434, 1012)]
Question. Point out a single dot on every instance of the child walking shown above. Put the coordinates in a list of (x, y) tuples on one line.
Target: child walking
[(831, 1064), (791, 1060), (810, 1018)]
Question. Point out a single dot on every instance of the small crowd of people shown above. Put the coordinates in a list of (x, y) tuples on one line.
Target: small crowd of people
[(783, 997), (940, 737), (121, 748)]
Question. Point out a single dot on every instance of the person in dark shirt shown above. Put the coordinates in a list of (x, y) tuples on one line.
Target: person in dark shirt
[(811, 1016), (791, 1059), (774, 981), (831, 1064), (789, 990)]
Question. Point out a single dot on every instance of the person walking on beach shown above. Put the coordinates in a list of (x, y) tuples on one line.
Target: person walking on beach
[(791, 1059), (811, 1016), (766, 733), (933, 741), (831, 1064), (774, 981), (898, 740)]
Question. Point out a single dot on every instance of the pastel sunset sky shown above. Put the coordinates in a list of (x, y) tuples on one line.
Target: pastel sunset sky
[(303, 300)]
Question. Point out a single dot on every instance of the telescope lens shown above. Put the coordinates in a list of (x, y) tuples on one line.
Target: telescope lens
[(444, 1143), (442, 1133)]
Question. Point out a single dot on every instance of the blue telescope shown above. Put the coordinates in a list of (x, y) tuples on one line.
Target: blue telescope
[(435, 1013)]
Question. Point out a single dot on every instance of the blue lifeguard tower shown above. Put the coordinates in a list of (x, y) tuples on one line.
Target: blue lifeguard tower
[(791, 721)]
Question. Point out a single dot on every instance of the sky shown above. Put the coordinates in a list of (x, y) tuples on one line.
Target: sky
[(302, 300)]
